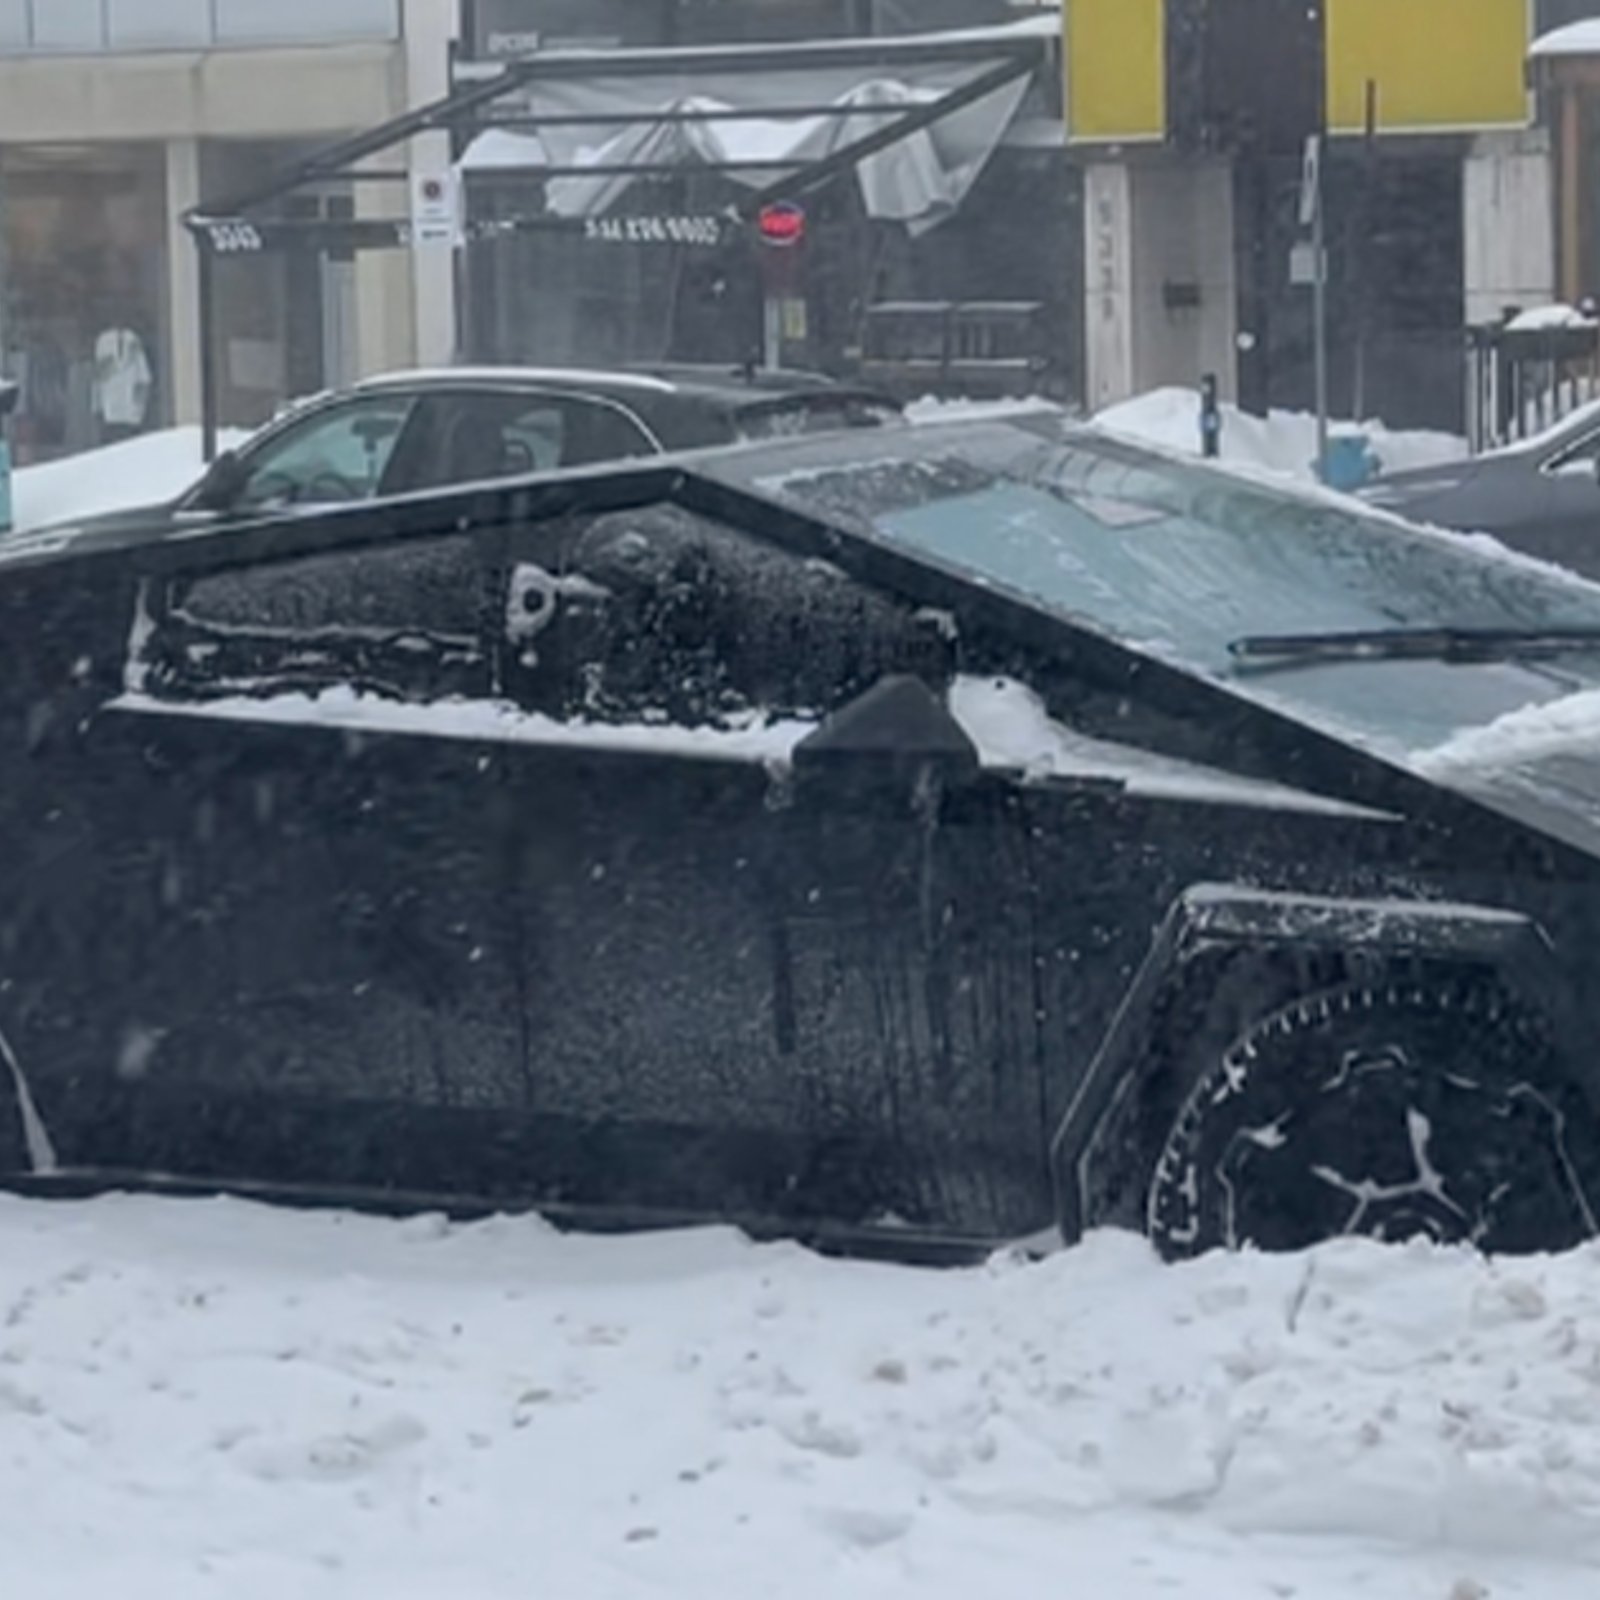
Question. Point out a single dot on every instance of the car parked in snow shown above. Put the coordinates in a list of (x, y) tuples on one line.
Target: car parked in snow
[(916, 840), (1540, 496), (405, 432)]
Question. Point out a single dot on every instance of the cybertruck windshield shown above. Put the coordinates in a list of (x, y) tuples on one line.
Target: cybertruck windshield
[(1207, 570)]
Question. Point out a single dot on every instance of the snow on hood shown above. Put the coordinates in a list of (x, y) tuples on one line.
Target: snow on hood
[(1555, 727), (1013, 731), (1540, 764)]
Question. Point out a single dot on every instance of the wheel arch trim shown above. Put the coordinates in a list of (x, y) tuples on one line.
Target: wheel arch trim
[(1209, 916)]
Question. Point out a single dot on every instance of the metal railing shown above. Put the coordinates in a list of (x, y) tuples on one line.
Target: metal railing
[(1522, 380), (981, 348), (69, 27)]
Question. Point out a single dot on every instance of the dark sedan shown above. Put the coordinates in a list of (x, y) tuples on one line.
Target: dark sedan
[(1541, 496), (913, 840), (409, 431)]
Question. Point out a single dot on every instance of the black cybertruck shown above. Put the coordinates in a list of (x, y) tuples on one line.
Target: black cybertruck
[(911, 840)]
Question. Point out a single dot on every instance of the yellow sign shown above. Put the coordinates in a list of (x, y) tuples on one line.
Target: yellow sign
[(1438, 64), (1116, 70)]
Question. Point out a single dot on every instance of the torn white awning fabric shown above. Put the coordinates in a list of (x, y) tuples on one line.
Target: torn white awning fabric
[(919, 180)]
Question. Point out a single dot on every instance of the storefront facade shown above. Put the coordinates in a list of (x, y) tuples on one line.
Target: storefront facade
[(85, 268), (118, 116)]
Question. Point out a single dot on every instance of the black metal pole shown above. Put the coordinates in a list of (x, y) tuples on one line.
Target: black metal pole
[(1210, 417), (1319, 245), (207, 308), (1360, 253)]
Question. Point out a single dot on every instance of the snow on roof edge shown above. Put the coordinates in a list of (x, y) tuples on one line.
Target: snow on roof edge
[(1580, 38)]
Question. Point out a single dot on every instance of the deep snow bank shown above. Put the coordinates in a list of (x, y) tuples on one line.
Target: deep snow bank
[(213, 1399), (1283, 442), (145, 471)]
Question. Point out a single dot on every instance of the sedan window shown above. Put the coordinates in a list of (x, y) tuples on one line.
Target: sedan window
[(338, 455), (474, 437)]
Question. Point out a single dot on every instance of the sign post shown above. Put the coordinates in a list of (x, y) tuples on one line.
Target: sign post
[(9, 394), (1313, 214), (1210, 418), (435, 208)]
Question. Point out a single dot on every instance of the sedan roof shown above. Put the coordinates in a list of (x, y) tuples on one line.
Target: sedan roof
[(730, 389)]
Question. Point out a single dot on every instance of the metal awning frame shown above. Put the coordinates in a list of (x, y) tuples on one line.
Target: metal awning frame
[(237, 225)]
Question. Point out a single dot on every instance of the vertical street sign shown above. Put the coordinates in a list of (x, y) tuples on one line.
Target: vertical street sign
[(1313, 217), (1311, 181), (435, 208)]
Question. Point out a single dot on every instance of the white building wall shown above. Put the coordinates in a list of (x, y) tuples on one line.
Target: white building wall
[(1183, 249), (1508, 206), (183, 280), (385, 293), (1157, 237), (246, 94), (1108, 284)]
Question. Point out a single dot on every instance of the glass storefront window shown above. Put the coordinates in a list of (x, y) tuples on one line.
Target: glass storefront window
[(169, 24), (68, 25), (283, 21), (71, 26), (15, 33), (84, 323)]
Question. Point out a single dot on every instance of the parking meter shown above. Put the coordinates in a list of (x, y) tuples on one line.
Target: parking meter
[(9, 394), (1210, 418)]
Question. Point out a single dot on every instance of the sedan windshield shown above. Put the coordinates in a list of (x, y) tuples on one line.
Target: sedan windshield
[(1186, 562)]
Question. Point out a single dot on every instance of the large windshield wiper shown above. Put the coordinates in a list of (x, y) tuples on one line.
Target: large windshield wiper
[(1454, 646)]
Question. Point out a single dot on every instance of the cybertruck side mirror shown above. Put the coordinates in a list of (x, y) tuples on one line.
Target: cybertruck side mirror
[(898, 736)]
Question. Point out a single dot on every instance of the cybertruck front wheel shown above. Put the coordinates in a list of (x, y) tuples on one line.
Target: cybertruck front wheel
[(1437, 1109)]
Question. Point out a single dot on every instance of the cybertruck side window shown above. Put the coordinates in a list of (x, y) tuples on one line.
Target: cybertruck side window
[(659, 614), (403, 620)]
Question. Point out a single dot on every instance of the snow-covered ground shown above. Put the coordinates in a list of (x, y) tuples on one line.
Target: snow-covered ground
[(1284, 442), (210, 1399)]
